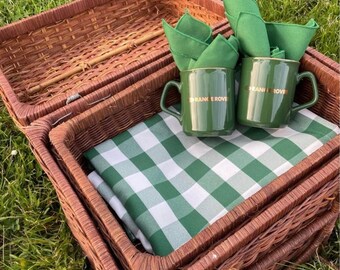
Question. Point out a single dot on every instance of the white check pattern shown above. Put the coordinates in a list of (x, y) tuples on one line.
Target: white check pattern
[(171, 186)]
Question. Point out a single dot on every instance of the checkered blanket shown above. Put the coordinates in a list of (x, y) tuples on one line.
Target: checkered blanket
[(172, 186)]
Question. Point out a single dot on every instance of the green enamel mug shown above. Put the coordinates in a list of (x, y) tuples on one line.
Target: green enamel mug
[(207, 101), (267, 92)]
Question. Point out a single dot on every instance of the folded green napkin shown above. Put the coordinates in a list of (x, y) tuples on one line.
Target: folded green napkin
[(252, 34), (194, 28), (220, 53), (192, 46), (235, 7), (187, 40), (293, 38), (182, 61)]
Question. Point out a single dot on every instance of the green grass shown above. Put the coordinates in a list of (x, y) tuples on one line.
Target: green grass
[(33, 231), (325, 12)]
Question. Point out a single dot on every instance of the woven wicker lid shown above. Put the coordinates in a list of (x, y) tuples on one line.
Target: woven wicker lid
[(53, 58)]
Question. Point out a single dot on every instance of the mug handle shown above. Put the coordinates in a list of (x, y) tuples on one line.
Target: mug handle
[(167, 87), (310, 76)]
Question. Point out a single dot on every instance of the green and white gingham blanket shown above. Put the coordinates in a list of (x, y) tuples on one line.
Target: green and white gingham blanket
[(169, 186)]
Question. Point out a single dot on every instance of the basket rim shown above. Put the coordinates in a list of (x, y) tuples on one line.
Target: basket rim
[(323, 59), (314, 234), (47, 18)]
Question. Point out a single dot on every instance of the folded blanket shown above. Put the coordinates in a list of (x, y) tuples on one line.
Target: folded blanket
[(173, 186), (108, 195)]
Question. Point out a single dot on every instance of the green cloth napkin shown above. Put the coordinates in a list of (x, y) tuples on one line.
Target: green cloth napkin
[(293, 39), (252, 33), (220, 53), (194, 28), (172, 186), (192, 46), (235, 7), (187, 40), (182, 61)]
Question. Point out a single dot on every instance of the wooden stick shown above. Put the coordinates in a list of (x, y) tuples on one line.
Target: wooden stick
[(93, 61)]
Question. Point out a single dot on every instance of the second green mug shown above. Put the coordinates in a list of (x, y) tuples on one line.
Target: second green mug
[(207, 101), (267, 92)]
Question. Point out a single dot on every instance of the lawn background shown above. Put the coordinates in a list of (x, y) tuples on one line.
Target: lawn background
[(33, 231)]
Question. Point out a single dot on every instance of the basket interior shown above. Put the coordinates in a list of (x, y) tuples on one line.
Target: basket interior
[(51, 51), (129, 108)]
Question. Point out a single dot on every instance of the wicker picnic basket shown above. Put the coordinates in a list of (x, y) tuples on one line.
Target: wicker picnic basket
[(273, 217), (75, 49), (114, 54)]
